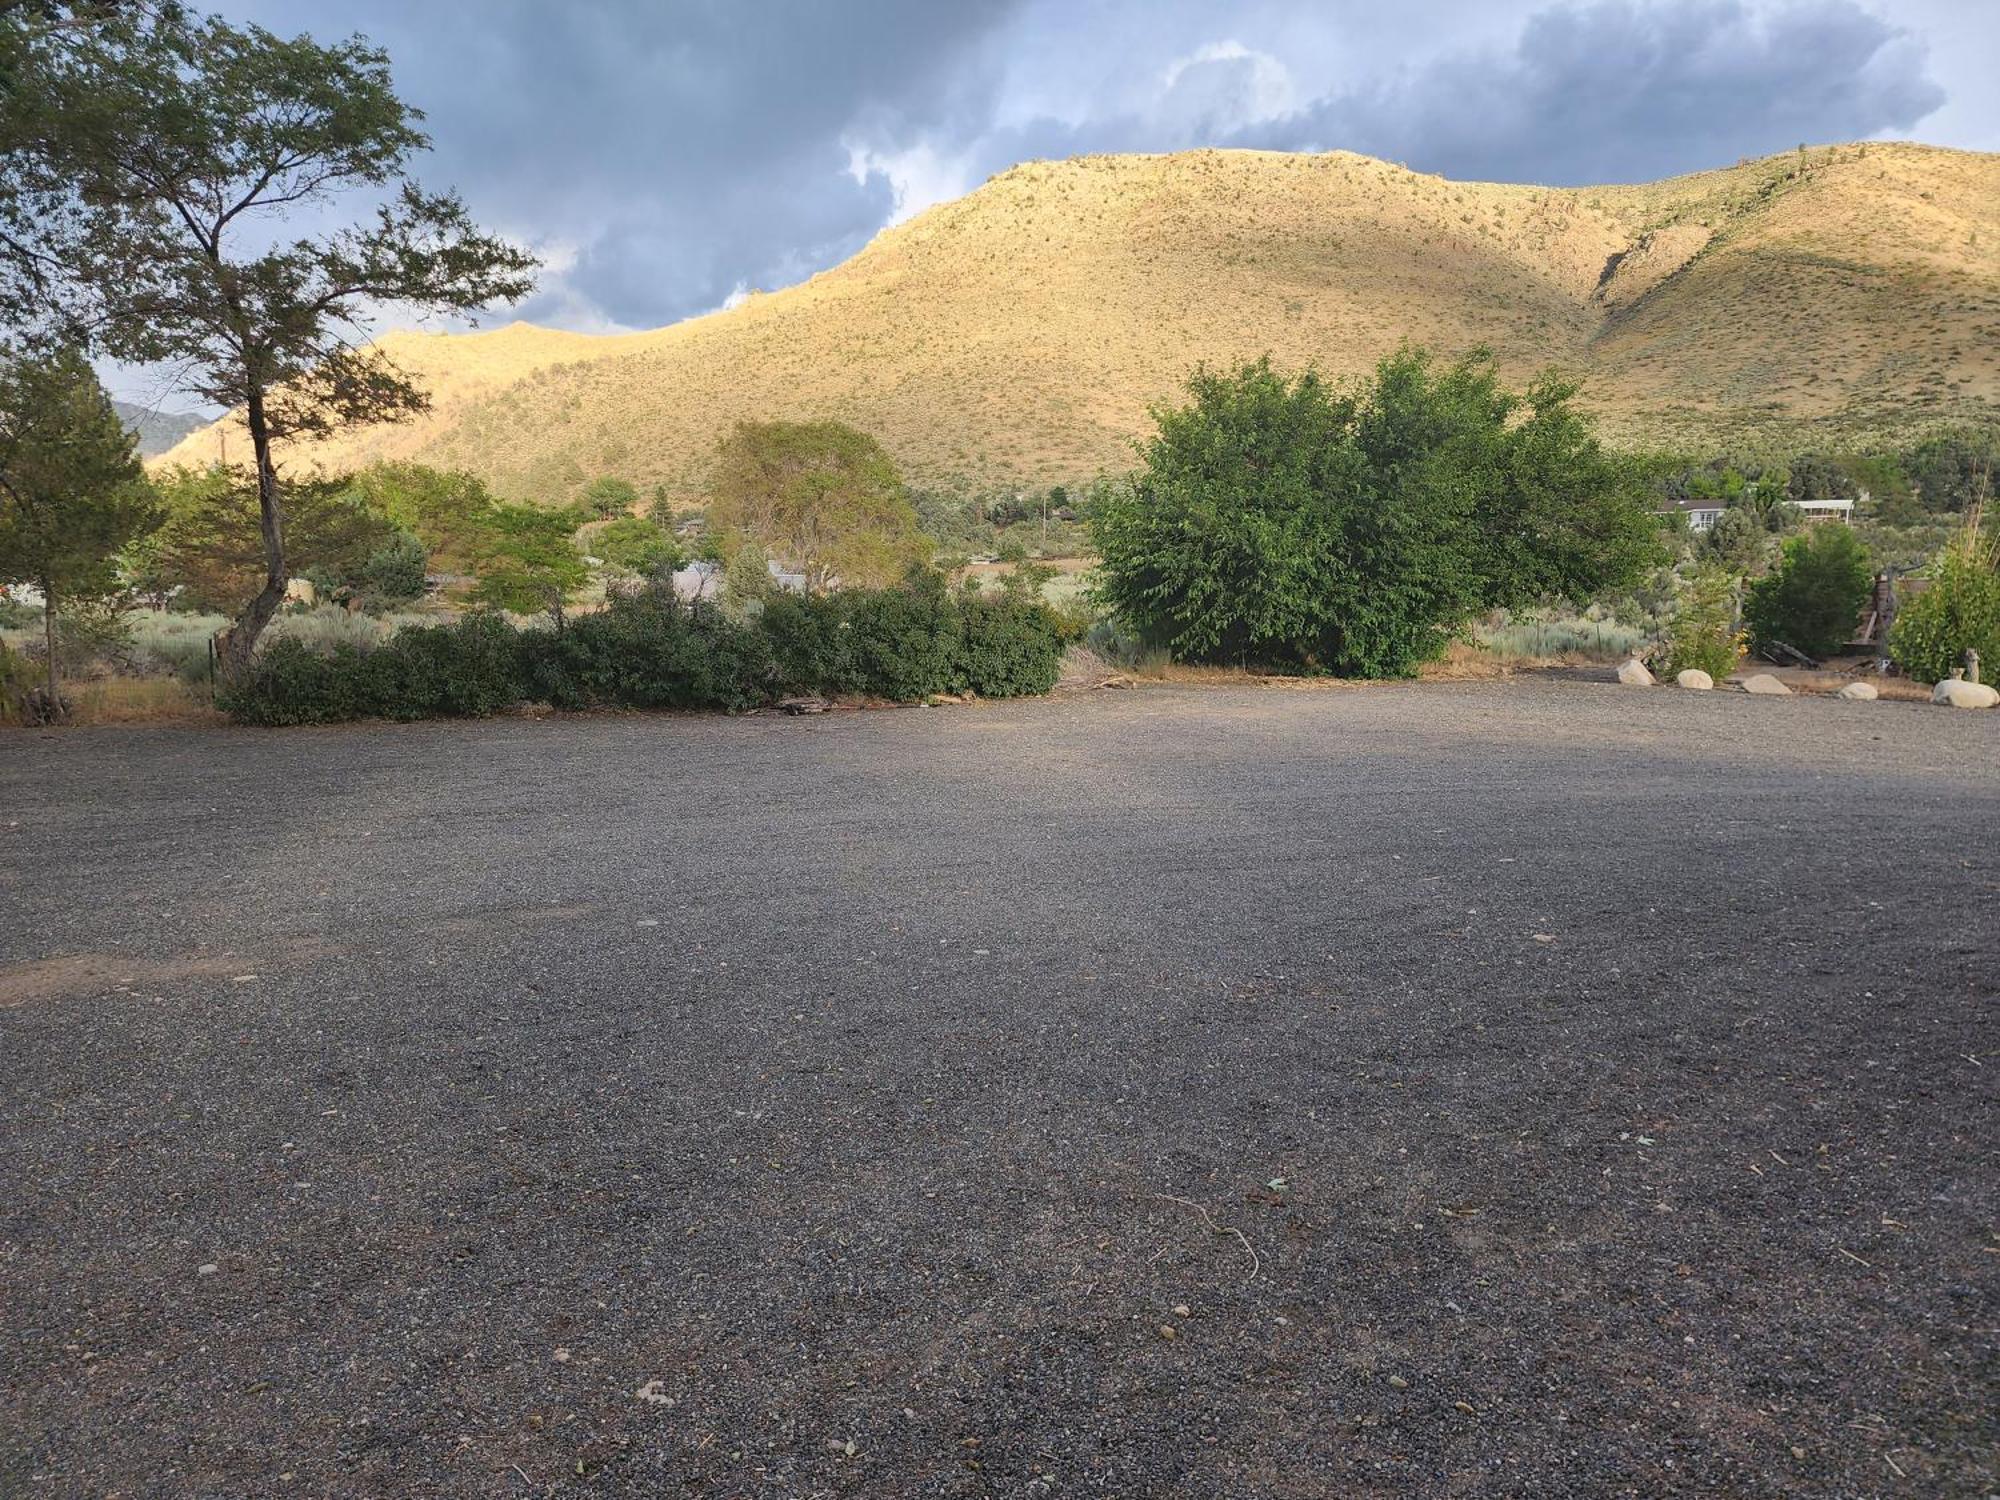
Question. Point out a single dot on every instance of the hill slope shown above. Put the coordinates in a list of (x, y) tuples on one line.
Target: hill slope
[(1019, 333), (157, 431)]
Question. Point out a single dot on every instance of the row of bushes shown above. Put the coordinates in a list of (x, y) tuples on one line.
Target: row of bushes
[(651, 650)]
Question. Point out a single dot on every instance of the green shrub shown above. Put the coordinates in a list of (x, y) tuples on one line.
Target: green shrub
[(1009, 647), (470, 668), (1960, 609), (651, 650), (1814, 597), (1702, 633), (394, 574), (1276, 520), (902, 642)]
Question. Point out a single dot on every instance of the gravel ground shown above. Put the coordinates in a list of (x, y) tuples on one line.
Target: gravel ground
[(1524, 1088)]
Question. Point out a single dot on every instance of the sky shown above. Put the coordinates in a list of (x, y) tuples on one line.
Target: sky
[(664, 157)]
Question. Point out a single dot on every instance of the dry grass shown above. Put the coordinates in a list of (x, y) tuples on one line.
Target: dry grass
[(138, 700), (1019, 333)]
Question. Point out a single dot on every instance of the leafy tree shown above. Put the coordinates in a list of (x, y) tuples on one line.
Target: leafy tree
[(1815, 595), (1277, 520), (208, 555), (1960, 610), (1818, 476), (824, 499), (1953, 470), (72, 492), (153, 157), (450, 512), (1736, 542), (638, 545), (607, 497), (531, 562)]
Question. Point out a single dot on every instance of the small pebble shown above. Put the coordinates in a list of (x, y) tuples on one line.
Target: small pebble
[(1166, 1330), (1396, 1382), (207, 1270), (1180, 1309)]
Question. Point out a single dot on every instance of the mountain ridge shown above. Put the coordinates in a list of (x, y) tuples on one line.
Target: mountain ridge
[(1017, 335)]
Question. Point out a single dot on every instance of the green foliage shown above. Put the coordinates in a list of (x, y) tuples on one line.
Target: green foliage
[(394, 574), (820, 497), (1276, 520), (1959, 610), (638, 544), (1813, 599), (209, 554), (470, 668), (1736, 541), (154, 158), (606, 497), (651, 650), (529, 562), (72, 493), (450, 512), (1702, 633)]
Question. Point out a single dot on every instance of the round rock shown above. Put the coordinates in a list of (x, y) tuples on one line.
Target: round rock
[(1858, 692), (1694, 678), (1765, 685), (1634, 674), (1958, 693)]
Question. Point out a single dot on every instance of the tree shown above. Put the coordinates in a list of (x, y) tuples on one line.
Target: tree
[(72, 492), (531, 562), (639, 545), (1277, 520), (607, 497), (152, 158), (450, 512), (822, 498), (208, 555), (1814, 597)]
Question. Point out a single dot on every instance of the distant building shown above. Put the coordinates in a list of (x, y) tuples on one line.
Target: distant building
[(1826, 510), (1700, 514)]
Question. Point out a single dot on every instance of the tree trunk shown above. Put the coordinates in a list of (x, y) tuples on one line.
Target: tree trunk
[(49, 641), (239, 642)]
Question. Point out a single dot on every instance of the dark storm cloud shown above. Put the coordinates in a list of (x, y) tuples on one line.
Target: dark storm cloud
[(1621, 92), (662, 155)]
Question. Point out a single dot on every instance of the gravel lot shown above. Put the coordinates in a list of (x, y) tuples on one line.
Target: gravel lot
[(1523, 1088)]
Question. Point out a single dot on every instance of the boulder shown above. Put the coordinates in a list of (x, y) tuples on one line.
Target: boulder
[(1958, 693), (1694, 678), (1858, 692), (1765, 685), (1634, 674)]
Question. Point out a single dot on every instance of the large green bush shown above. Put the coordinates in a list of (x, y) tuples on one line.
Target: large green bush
[(1280, 521), (651, 650), (1960, 610), (1813, 599)]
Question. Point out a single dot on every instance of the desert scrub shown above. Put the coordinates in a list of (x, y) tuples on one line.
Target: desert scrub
[(1702, 634), (1959, 611)]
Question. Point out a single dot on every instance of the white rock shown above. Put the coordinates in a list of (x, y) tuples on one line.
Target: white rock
[(1959, 693), (1858, 692), (1766, 685), (1694, 678), (1634, 674)]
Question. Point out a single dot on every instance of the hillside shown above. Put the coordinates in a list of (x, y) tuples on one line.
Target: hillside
[(157, 431), (1019, 333)]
